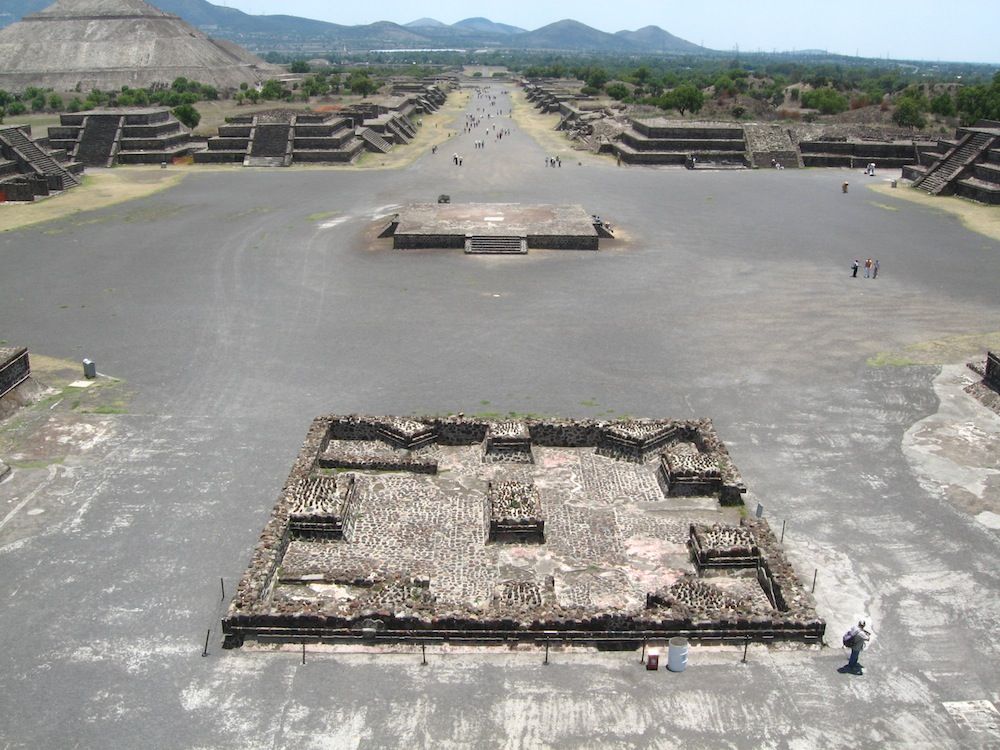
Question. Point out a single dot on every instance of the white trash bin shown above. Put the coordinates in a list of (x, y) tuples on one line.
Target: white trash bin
[(677, 654)]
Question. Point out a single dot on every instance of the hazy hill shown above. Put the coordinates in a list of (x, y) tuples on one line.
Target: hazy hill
[(570, 35), (287, 32), (655, 39), (486, 26), (421, 23)]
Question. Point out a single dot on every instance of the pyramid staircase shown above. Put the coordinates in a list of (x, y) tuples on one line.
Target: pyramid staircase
[(127, 136), (99, 141), (271, 145), (397, 131), (33, 158), (374, 142), (941, 177), (496, 245)]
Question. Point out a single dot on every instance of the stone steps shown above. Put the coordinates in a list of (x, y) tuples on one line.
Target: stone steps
[(264, 161), (36, 158), (496, 245), (941, 174), (374, 140)]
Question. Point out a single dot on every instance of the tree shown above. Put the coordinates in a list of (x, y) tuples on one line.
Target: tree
[(55, 102), (908, 114), (617, 91), (826, 100), (360, 83), (272, 89), (596, 77), (943, 105), (299, 66), (687, 98), (187, 115), (979, 102)]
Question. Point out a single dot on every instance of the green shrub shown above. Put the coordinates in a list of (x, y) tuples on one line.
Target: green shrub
[(187, 115), (826, 100)]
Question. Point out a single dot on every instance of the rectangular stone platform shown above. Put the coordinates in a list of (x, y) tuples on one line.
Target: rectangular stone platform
[(578, 546), (447, 225)]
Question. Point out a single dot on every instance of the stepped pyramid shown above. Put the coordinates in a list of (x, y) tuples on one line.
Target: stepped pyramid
[(107, 44)]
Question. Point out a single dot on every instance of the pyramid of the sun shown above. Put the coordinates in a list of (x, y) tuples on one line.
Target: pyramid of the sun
[(107, 44)]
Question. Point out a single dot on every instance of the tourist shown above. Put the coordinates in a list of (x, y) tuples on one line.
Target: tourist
[(875, 269), (868, 268), (854, 268), (856, 639)]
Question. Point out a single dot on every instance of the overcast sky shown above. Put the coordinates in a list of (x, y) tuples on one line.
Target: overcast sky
[(962, 30)]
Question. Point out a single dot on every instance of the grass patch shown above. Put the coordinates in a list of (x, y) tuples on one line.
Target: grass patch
[(108, 188), (590, 402), (884, 206), (975, 217), (38, 463), (948, 350), (321, 215), (105, 409)]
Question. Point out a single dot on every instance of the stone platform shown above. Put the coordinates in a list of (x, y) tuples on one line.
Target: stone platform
[(413, 528), (447, 225)]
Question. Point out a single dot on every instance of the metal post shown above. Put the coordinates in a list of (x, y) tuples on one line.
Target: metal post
[(222, 584), (815, 573), (423, 654), (642, 656), (204, 651), (782, 540), (746, 645), (303, 652), (546, 652)]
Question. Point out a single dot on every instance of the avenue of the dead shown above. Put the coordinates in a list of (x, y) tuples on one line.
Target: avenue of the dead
[(226, 312)]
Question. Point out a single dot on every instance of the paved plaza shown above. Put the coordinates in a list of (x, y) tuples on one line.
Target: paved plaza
[(239, 304)]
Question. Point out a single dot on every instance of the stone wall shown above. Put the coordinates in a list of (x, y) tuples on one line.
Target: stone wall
[(992, 373), (15, 367), (514, 516)]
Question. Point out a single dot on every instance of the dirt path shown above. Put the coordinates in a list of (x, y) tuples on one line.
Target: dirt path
[(541, 127), (101, 188), (437, 128)]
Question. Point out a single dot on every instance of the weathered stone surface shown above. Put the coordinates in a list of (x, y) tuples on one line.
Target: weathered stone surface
[(607, 553), (107, 44)]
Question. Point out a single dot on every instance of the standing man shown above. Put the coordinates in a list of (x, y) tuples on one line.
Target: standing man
[(854, 268), (875, 269), (856, 639), (868, 268)]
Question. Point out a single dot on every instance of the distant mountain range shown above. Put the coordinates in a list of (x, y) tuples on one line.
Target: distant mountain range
[(289, 33)]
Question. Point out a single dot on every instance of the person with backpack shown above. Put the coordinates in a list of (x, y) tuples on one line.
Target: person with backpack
[(856, 639)]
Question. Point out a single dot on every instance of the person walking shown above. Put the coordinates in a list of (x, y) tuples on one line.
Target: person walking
[(854, 268), (875, 269), (868, 268), (856, 639)]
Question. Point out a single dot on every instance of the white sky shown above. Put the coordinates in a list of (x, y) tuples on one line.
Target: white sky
[(960, 30)]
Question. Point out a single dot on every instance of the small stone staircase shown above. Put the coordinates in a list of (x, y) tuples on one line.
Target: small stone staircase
[(99, 140), (496, 245), (269, 147), (37, 159), (374, 140), (940, 176)]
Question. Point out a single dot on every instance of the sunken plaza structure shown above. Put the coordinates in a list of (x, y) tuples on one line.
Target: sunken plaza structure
[(491, 530)]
